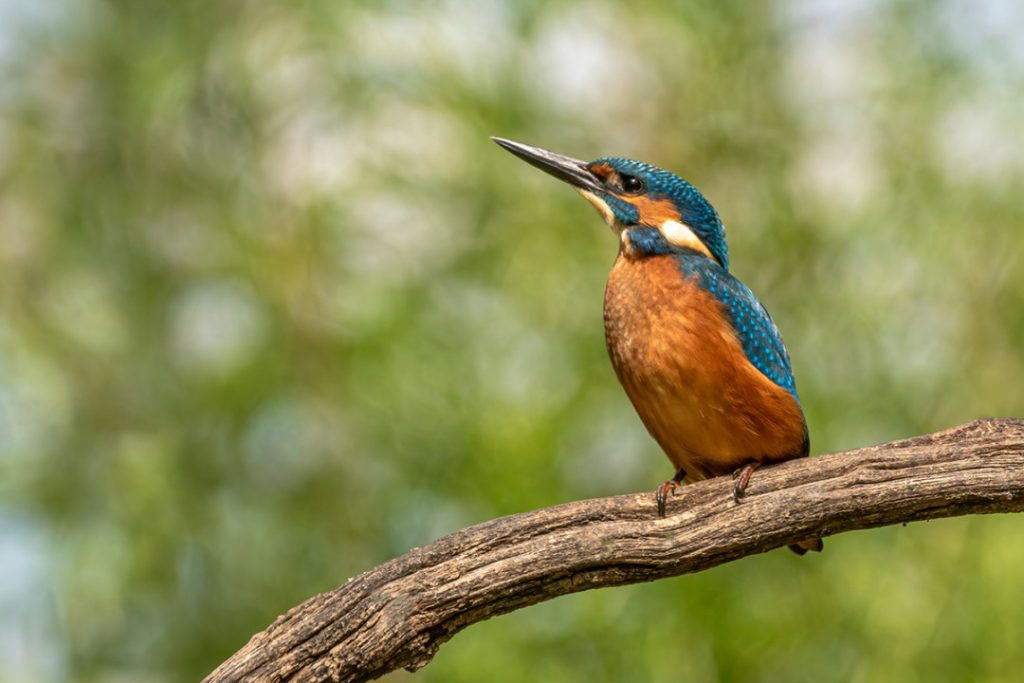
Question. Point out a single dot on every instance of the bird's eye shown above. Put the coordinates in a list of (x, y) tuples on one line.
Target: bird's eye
[(632, 184)]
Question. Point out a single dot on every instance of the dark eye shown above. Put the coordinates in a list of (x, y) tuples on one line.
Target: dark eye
[(632, 184)]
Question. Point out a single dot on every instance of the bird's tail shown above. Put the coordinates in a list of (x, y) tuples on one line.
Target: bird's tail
[(815, 544)]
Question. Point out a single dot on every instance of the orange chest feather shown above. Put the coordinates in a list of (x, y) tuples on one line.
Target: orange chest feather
[(684, 370), (661, 326)]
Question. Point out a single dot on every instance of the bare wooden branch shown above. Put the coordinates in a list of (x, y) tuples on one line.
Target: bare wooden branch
[(398, 614)]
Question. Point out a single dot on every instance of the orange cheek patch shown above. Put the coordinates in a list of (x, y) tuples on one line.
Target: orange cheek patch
[(654, 212)]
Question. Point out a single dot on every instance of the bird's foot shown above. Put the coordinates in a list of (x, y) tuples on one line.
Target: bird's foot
[(670, 487), (801, 548), (741, 479), (666, 489)]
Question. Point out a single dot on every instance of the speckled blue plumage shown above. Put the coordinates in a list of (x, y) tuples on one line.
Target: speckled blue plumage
[(760, 338), (755, 328), (694, 210)]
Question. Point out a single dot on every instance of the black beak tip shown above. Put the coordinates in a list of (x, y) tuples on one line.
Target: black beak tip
[(567, 169), (516, 148)]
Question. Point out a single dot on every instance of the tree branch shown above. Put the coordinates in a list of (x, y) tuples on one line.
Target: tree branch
[(398, 614)]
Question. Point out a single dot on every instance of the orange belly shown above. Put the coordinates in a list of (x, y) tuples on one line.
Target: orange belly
[(685, 372)]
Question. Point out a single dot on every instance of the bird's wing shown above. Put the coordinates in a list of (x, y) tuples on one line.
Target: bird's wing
[(755, 328)]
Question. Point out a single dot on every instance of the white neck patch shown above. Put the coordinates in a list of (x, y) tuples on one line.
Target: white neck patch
[(682, 235)]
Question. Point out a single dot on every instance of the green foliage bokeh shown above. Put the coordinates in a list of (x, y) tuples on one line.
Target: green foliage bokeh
[(274, 310)]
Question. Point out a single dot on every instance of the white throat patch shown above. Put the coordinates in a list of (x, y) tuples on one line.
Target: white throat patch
[(602, 208)]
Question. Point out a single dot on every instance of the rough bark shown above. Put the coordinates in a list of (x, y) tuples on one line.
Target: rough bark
[(399, 613)]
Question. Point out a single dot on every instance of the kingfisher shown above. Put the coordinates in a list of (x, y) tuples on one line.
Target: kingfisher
[(700, 358)]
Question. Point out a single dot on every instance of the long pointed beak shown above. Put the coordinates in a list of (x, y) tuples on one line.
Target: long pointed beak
[(567, 169)]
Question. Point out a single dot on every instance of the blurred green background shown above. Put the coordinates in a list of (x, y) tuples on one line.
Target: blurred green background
[(274, 310)]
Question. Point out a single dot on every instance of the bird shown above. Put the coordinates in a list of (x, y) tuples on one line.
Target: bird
[(698, 355)]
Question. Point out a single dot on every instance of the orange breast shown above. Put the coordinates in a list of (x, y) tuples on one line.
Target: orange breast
[(685, 372)]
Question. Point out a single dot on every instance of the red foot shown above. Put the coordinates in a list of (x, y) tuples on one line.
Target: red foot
[(741, 479), (670, 487)]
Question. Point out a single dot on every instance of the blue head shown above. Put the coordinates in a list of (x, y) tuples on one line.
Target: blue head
[(653, 211)]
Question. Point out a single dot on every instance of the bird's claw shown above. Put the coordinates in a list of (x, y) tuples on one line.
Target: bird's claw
[(661, 495), (741, 479)]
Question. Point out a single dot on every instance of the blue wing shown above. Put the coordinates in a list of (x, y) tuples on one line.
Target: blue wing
[(756, 330)]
